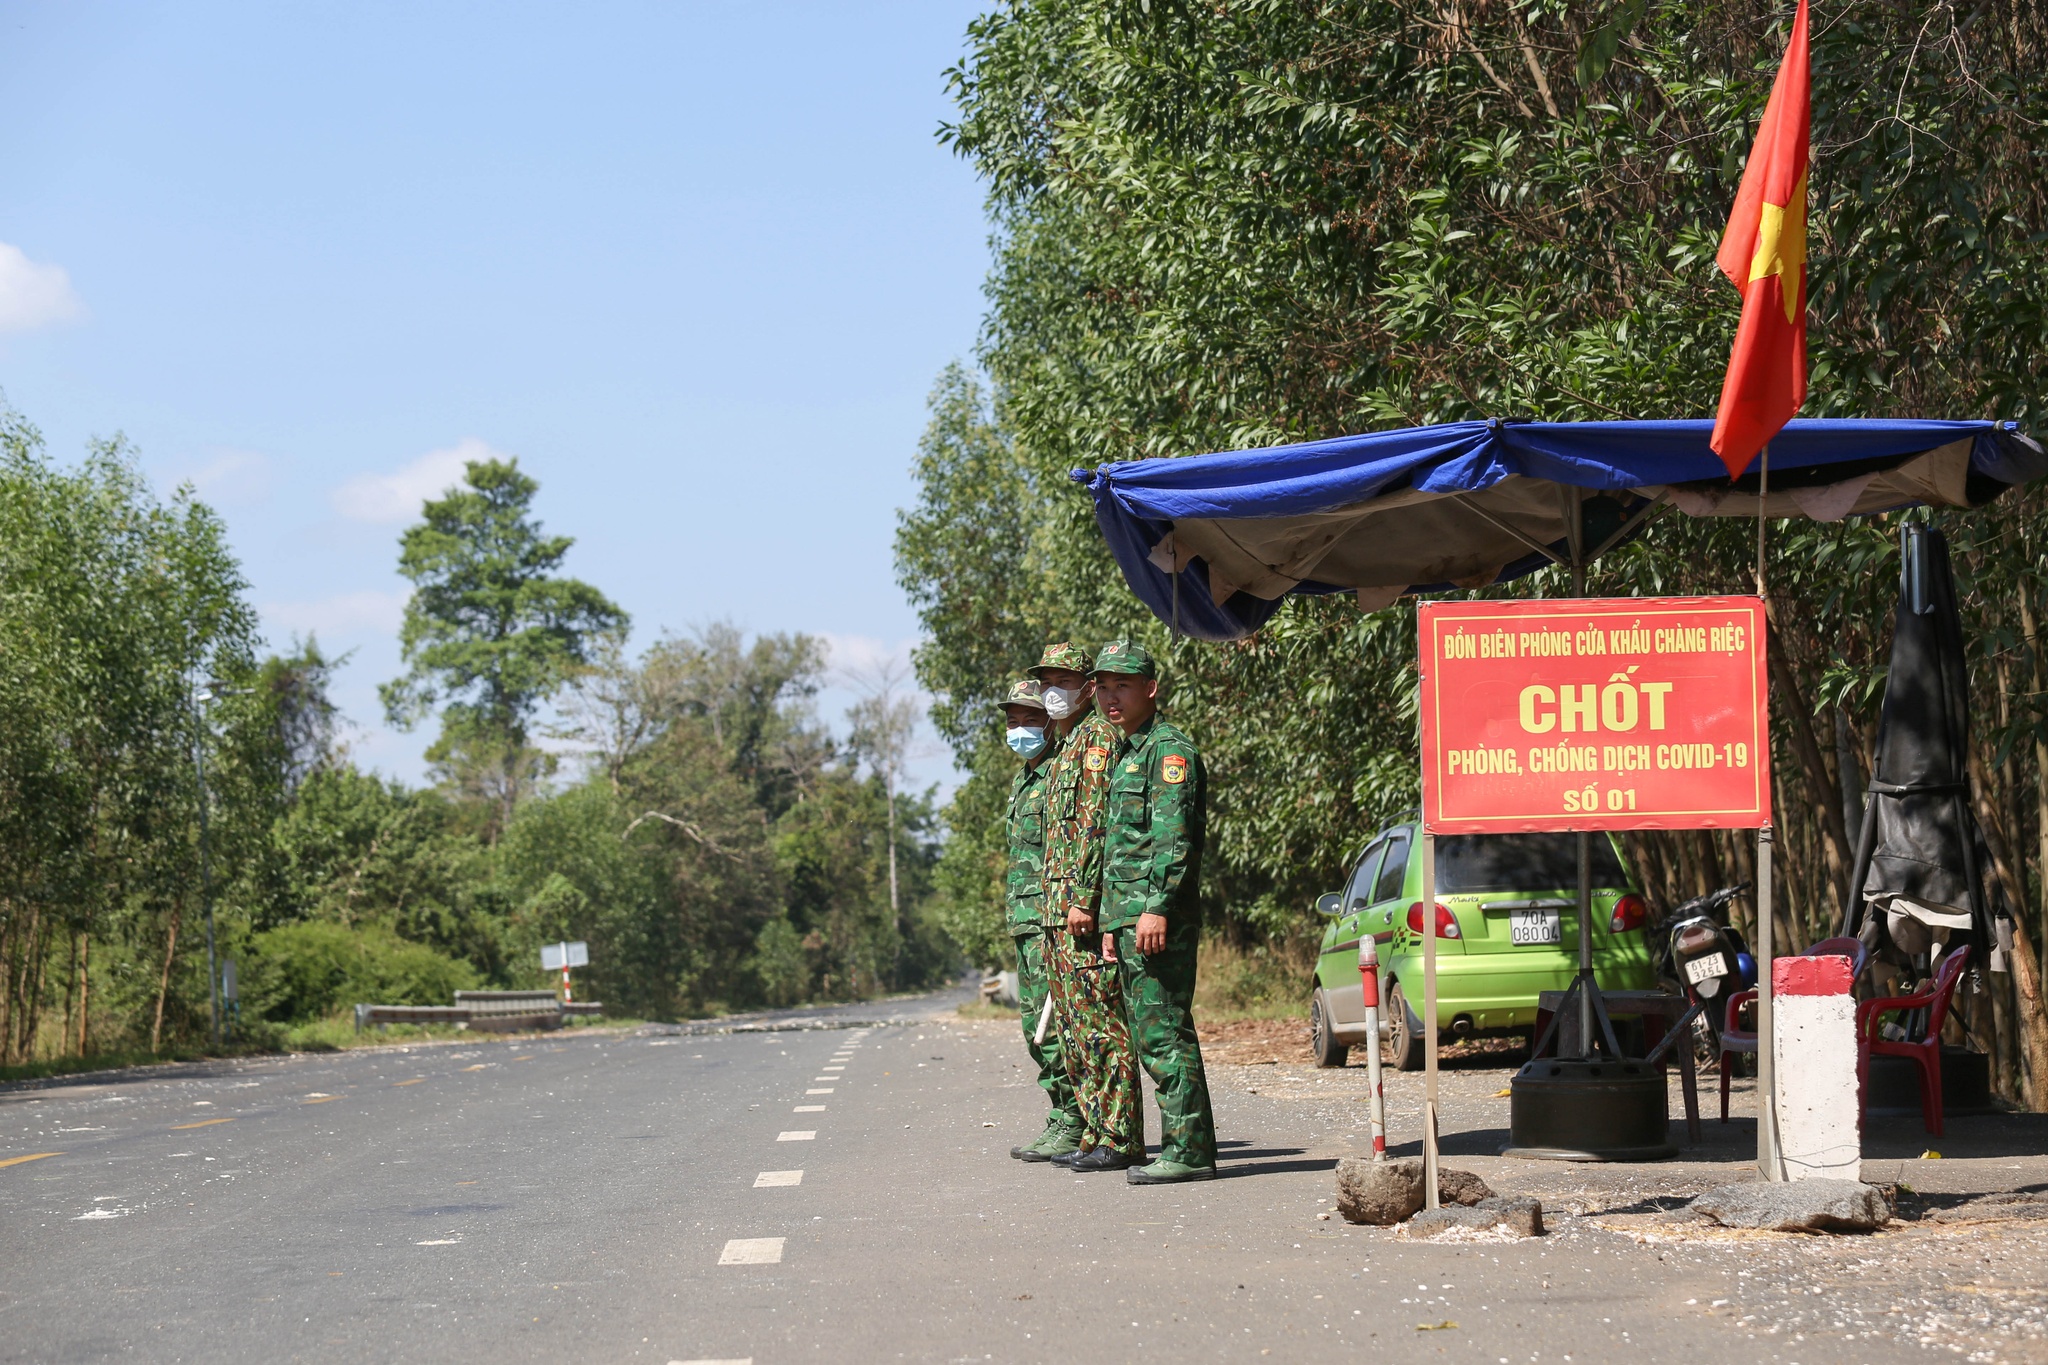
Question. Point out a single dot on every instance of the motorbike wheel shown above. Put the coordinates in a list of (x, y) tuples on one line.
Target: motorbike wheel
[(1404, 1044), (1328, 1051)]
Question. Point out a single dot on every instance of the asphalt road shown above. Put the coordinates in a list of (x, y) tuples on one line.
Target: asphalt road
[(829, 1186)]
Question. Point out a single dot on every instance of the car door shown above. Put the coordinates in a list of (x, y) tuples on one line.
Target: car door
[(1387, 909), (1340, 977)]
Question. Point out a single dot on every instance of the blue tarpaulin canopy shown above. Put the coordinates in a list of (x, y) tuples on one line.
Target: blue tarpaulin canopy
[(1214, 542)]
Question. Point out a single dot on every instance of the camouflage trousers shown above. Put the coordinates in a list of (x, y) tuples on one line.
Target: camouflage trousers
[(1032, 988), (1095, 1040), (1159, 991)]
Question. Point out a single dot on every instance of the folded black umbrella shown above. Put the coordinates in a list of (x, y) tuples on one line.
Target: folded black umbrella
[(1918, 869)]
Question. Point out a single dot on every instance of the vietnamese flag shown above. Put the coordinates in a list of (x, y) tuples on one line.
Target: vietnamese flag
[(1763, 253)]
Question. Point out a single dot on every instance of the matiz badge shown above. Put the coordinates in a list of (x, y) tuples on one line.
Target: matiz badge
[(1173, 769)]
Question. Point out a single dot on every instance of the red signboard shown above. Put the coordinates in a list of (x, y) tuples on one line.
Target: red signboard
[(1594, 713)]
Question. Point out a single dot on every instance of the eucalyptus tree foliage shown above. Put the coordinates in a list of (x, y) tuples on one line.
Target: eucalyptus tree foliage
[(115, 605), (1221, 226)]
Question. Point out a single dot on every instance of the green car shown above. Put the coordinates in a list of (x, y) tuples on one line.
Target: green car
[(1507, 930)]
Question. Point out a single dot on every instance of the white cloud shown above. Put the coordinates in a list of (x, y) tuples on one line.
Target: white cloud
[(340, 616), (387, 499), (864, 657), (231, 477), (32, 295)]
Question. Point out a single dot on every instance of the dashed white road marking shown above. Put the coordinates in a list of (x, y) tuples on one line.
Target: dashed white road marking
[(816, 1079), (808, 1109), (797, 1135), (819, 1090), (769, 1178), (752, 1251), (831, 1068), (736, 1360)]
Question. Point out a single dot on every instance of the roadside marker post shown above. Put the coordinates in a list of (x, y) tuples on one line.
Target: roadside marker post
[(560, 957), (1819, 1129), (1369, 984)]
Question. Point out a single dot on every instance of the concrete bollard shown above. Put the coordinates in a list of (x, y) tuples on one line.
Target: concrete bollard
[(1819, 1118)]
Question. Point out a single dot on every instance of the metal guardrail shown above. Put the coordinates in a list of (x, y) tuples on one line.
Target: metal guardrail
[(491, 1011)]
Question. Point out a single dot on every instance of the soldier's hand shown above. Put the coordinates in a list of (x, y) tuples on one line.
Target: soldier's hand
[(1151, 936), (1080, 922)]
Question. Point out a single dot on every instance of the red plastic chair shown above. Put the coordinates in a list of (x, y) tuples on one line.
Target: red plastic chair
[(1735, 1040), (1927, 1052)]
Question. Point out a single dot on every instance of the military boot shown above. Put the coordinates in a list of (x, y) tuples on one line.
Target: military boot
[(1058, 1139), (1052, 1123), (1164, 1172)]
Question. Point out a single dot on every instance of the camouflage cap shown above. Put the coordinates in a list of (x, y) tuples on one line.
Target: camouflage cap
[(1027, 692), (1062, 655), (1126, 656)]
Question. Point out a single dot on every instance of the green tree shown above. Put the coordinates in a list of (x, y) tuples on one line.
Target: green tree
[(1222, 227), (114, 604), (491, 631)]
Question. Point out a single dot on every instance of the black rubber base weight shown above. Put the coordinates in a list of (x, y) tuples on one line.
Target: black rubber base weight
[(1965, 1084), (1565, 1109)]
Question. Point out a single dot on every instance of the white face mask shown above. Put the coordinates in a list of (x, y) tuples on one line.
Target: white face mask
[(1061, 702), (1027, 740)]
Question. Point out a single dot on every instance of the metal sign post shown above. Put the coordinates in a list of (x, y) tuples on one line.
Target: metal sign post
[(1429, 1089)]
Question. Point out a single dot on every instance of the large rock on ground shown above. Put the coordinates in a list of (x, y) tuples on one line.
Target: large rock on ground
[(1522, 1217), (1384, 1193), (1797, 1206)]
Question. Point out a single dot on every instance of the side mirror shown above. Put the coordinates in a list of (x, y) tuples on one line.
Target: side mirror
[(1329, 904)]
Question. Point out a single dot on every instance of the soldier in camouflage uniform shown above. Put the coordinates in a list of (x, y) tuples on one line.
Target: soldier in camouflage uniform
[(1024, 716), (1152, 866), (1087, 992)]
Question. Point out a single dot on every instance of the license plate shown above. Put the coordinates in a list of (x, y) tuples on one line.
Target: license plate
[(1705, 968), (1535, 926)]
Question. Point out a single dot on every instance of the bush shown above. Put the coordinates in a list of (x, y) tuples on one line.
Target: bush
[(781, 964), (311, 969)]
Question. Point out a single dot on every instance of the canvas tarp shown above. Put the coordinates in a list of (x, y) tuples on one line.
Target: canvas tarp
[(1466, 504)]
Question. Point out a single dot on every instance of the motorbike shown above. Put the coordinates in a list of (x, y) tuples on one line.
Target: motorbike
[(1708, 911)]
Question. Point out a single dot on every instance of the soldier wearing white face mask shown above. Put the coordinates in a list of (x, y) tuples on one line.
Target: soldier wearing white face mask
[(1026, 732), (1087, 998)]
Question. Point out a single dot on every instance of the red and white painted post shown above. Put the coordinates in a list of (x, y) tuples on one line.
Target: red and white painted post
[(1814, 1047), (1369, 981)]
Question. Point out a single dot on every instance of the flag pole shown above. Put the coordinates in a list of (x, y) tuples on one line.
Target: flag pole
[(1767, 1157)]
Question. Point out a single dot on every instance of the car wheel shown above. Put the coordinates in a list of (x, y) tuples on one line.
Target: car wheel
[(1328, 1051), (1404, 1044)]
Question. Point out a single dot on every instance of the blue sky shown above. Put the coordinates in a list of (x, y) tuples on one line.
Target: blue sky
[(695, 265)]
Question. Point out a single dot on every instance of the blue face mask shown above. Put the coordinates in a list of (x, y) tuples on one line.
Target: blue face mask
[(1027, 740)]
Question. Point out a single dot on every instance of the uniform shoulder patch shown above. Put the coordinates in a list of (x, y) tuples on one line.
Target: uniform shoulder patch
[(1173, 769), (1096, 759)]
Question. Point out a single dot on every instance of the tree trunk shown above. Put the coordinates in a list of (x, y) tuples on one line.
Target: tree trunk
[(895, 906), (84, 988), (70, 995), (2026, 974), (163, 989), (34, 1013), (1822, 790), (2033, 639)]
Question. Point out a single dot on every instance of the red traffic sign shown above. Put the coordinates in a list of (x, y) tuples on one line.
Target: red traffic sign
[(1594, 713)]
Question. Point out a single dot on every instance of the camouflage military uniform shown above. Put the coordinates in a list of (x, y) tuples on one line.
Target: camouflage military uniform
[(1152, 861), (1023, 894), (1087, 992)]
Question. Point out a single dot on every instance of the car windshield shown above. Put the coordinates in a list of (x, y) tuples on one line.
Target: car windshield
[(1521, 862)]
